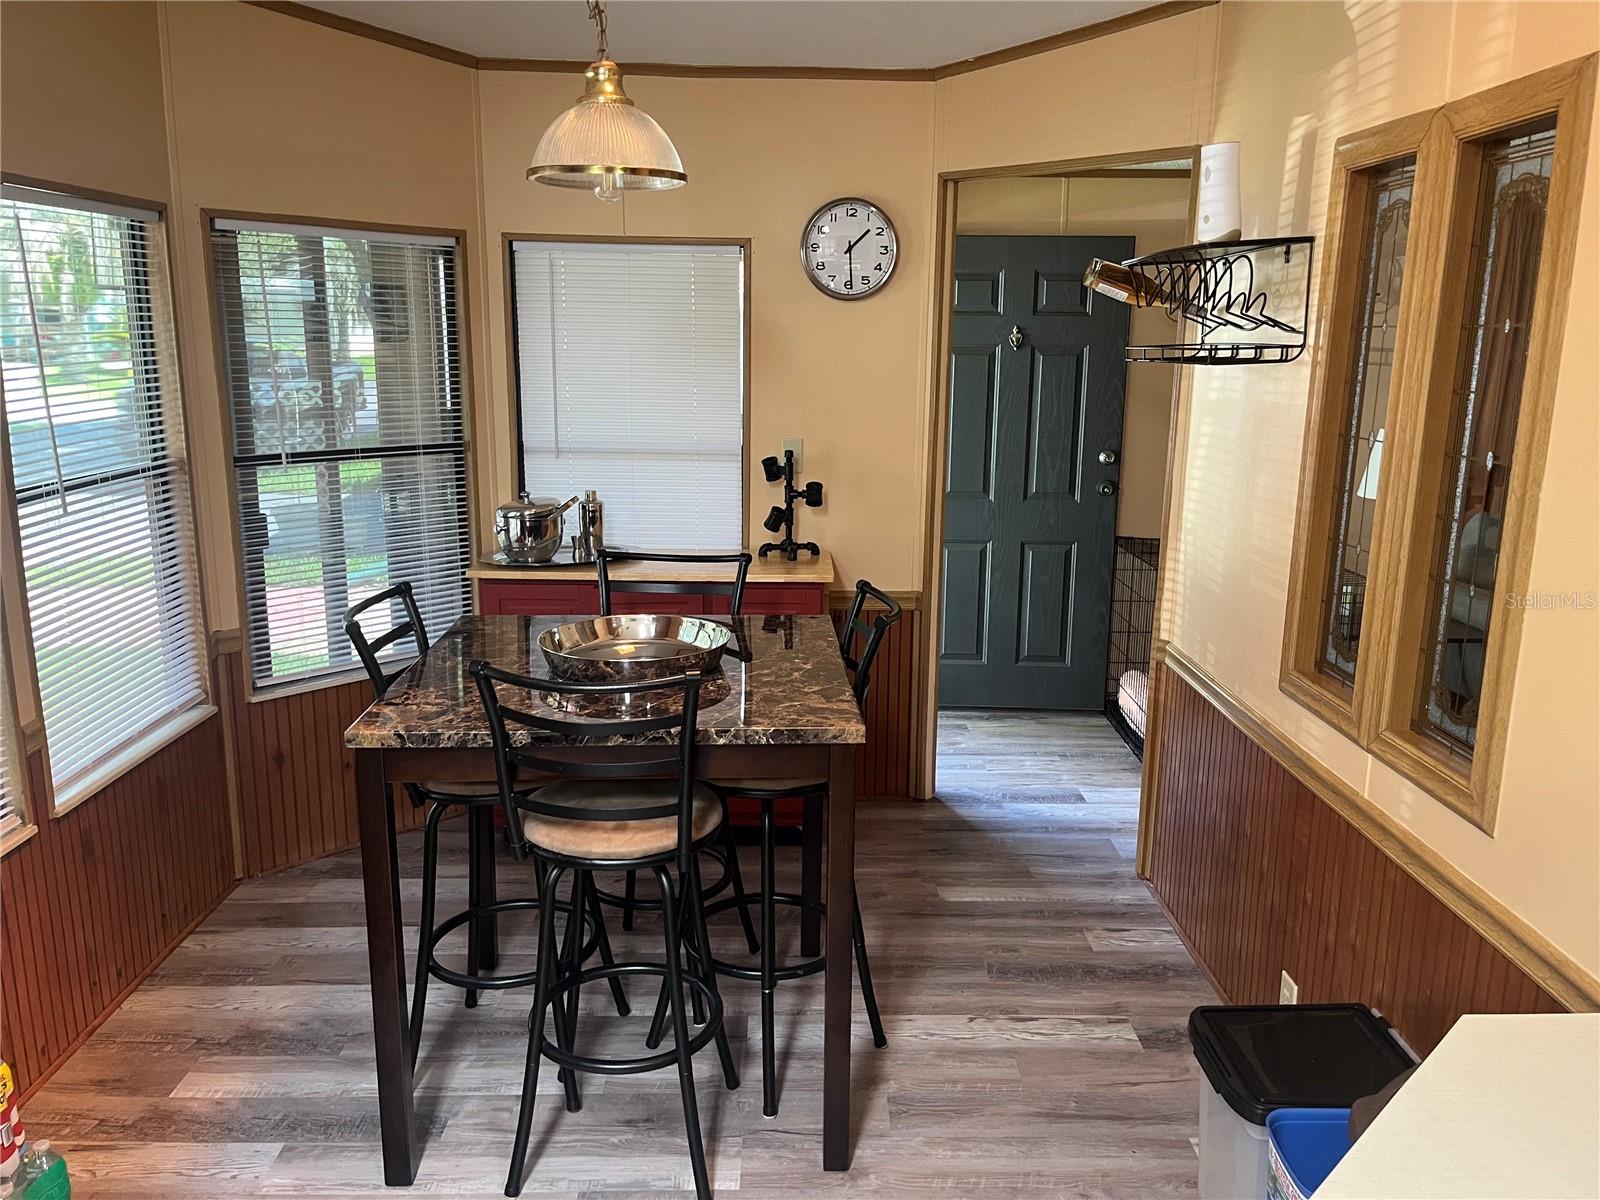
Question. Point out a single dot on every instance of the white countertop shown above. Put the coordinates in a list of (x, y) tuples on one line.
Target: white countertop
[(1505, 1108)]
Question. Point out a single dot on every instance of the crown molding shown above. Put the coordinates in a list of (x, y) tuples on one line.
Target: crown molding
[(1071, 37)]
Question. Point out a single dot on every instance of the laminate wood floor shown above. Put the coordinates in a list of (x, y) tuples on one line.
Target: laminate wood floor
[(1033, 993)]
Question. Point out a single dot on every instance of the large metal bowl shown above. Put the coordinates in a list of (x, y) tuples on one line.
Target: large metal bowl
[(632, 647)]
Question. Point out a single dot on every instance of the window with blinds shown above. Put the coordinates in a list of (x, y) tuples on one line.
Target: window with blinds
[(630, 382), (97, 455), (343, 365)]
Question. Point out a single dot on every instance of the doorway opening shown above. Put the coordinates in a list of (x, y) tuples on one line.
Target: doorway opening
[(1053, 462)]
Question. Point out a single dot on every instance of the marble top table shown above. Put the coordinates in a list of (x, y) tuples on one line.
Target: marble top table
[(780, 707)]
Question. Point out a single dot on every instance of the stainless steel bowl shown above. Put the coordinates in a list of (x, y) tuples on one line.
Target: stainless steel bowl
[(631, 647)]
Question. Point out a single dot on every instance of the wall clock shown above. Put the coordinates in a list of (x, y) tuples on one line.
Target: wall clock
[(848, 248)]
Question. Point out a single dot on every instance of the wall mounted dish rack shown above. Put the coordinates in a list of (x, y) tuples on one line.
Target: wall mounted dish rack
[(1247, 301)]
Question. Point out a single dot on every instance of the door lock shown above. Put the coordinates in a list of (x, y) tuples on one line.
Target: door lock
[(1107, 488), (1108, 457)]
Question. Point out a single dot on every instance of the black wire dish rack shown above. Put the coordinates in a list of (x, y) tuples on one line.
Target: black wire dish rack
[(1246, 301)]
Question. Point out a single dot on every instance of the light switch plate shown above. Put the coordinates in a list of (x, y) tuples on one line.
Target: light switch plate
[(1288, 989), (798, 445)]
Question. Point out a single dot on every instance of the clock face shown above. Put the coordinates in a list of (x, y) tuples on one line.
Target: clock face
[(848, 248)]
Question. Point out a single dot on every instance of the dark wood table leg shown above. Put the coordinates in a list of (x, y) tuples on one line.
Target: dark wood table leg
[(380, 873), (483, 867), (811, 841), (838, 990)]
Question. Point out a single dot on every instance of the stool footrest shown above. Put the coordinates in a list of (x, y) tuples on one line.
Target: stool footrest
[(794, 970), (491, 983), (629, 1066)]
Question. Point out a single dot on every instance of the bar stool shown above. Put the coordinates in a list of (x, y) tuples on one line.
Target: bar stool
[(769, 973), (599, 815), (479, 800), (731, 590)]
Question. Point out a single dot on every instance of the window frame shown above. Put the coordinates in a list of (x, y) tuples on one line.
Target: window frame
[(1380, 713), (53, 801), (1327, 414), (334, 676), (513, 375)]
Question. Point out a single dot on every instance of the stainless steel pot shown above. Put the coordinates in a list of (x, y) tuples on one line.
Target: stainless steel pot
[(531, 530)]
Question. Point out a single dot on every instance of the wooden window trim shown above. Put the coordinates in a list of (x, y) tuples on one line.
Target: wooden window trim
[(1455, 135), (1343, 285)]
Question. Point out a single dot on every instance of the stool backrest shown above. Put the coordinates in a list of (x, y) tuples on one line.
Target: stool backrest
[(368, 649), (605, 559), (540, 726), (861, 638)]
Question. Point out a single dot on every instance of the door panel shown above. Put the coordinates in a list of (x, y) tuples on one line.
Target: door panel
[(1036, 392)]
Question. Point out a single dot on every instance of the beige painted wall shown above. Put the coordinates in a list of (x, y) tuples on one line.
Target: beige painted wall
[(1155, 212), (848, 378), (1349, 69)]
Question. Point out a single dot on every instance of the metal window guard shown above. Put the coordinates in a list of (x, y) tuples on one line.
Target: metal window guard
[(1249, 300)]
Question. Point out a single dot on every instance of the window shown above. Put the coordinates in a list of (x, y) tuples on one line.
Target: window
[(1406, 603), (1386, 222), (97, 463), (343, 369), (1514, 192), (630, 369)]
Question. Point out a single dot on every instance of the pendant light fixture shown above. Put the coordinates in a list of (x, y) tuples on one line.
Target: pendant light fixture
[(604, 141)]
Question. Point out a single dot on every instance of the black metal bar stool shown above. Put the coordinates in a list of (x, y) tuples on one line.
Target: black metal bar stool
[(479, 801), (769, 973), (731, 589), (601, 815)]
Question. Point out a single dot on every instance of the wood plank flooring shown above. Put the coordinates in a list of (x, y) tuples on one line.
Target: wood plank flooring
[(1033, 993)]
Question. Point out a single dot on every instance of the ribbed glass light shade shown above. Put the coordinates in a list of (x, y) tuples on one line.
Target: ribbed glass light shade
[(604, 142)]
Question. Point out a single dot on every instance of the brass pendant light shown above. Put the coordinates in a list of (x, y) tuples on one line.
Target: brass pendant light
[(605, 141)]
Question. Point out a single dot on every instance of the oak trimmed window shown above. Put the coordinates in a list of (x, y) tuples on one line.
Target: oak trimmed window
[(1405, 616)]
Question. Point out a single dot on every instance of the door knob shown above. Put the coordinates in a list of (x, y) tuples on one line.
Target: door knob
[(1107, 488), (1108, 457)]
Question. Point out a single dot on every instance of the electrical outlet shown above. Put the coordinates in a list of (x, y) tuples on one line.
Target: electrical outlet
[(798, 445), (1288, 989)]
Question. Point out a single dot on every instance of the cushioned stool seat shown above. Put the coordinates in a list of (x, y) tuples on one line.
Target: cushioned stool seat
[(461, 787), (615, 841), (789, 786)]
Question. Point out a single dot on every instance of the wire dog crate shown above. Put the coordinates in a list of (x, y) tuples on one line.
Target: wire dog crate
[(1133, 611)]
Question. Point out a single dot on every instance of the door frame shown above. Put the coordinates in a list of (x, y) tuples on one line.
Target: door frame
[(938, 419)]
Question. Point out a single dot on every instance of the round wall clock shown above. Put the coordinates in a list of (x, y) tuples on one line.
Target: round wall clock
[(848, 248)]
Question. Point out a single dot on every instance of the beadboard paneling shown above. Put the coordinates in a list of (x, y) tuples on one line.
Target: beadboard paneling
[(297, 797), (892, 761), (1260, 876), (100, 894)]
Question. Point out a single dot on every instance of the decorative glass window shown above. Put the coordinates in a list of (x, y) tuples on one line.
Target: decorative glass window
[(1482, 429), (1386, 224)]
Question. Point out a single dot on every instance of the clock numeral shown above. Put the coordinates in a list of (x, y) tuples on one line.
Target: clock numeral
[(883, 249), (833, 216), (851, 211), (833, 278), (849, 284), (822, 266), (866, 281), (815, 247), (880, 231), (879, 267)]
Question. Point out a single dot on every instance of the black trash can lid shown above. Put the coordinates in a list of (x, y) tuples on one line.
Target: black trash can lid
[(1264, 1057)]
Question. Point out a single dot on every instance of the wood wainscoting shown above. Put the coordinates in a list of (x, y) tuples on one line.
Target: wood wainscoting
[(99, 894), (891, 767), (297, 784), (1260, 875)]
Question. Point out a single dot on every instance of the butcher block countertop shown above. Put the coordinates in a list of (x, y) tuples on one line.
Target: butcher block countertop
[(772, 569)]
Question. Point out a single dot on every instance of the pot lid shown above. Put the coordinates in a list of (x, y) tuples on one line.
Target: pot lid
[(537, 506)]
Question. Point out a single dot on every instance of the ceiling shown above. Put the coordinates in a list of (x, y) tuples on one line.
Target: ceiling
[(900, 34)]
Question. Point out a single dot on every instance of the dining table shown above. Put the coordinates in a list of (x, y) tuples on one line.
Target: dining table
[(778, 706)]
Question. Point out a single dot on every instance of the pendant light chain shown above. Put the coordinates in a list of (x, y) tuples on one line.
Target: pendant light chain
[(597, 14)]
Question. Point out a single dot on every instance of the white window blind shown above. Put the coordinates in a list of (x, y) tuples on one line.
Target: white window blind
[(344, 376), (97, 454), (630, 381)]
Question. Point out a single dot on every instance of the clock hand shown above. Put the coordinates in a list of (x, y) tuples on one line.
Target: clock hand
[(857, 242)]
